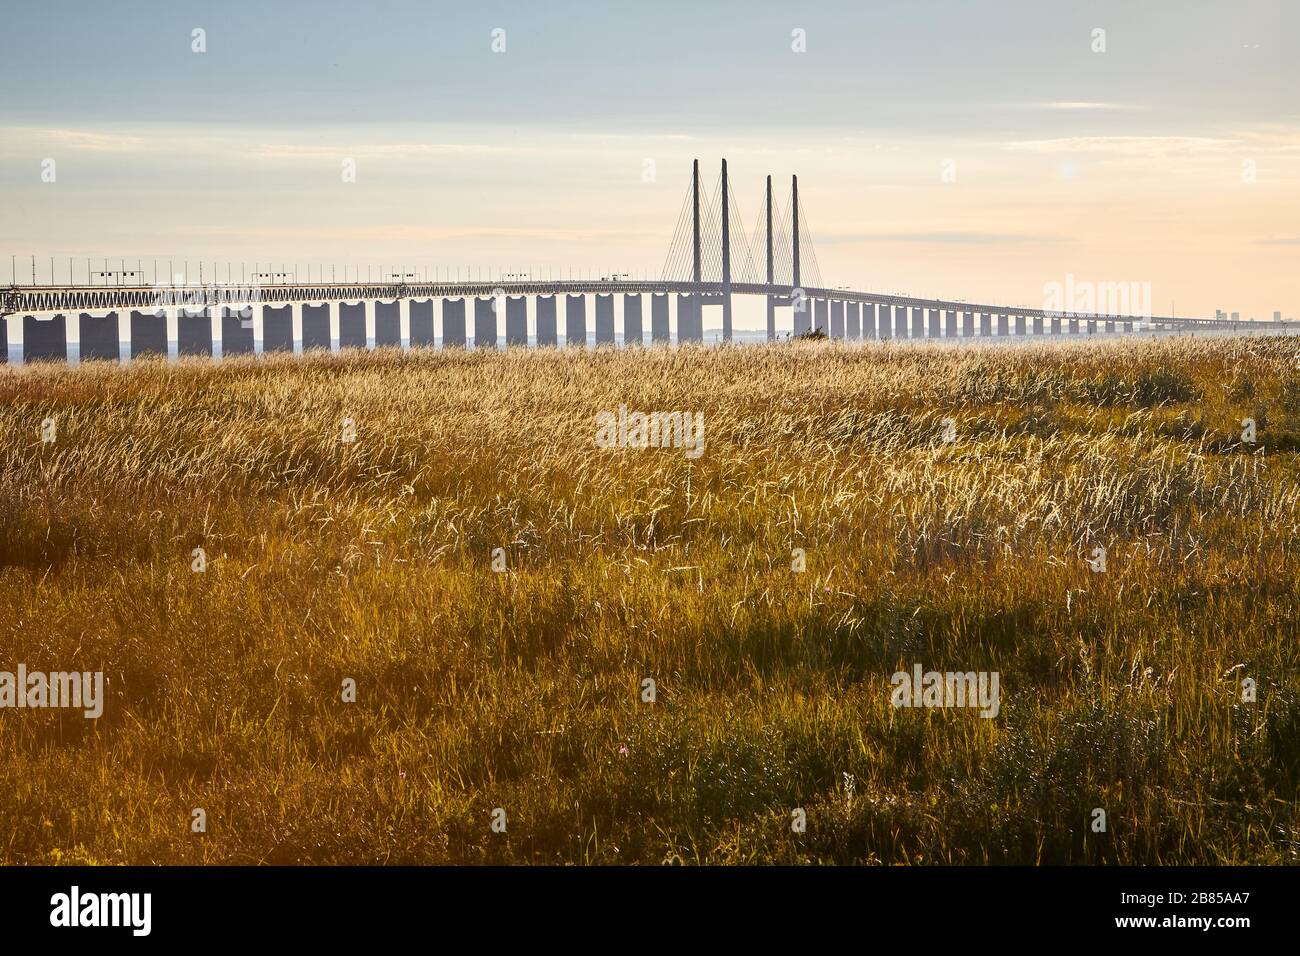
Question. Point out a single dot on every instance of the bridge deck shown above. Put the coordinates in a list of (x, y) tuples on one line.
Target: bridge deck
[(29, 300)]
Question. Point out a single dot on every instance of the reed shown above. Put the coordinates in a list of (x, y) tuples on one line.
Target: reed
[(522, 689)]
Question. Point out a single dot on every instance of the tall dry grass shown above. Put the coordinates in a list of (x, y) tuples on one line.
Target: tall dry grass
[(521, 690)]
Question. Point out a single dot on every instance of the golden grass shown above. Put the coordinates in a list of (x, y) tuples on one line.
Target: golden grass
[(521, 690)]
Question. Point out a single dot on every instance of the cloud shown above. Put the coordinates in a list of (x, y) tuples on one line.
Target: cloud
[(377, 150), (420, 233), (77, 139), (942, 238), (293, 145), (1083, 105), (558, 145), (1150, 146)]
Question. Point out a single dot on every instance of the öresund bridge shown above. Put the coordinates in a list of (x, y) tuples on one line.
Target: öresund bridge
[(710, 261)]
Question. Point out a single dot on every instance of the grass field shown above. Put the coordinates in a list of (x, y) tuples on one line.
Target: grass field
[(477, 689)]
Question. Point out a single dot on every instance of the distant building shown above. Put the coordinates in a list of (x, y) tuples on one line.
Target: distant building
[(1277, 316), (1219, 314), (1236, 316)]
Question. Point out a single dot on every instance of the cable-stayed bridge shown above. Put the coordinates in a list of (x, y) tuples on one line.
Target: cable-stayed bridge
[(711, 259)]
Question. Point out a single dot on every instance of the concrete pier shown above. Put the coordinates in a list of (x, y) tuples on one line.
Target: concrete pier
[(696, 314), (633, 333), (148, 334), (236, 331), (933, 318), (900, 322), (605, 320), (193, 334), (837, 319), (45, 338), (802, 320), (918, 321), (98, 337), (485, 322), (1004, 324), (659, 327), (575, 320), (352, 326), (388, 325), (422, 335), (315, 325), (690, 319), (277, 329), (820, 312), (516, 321), (547, 326), (453, 324), (949, 322)]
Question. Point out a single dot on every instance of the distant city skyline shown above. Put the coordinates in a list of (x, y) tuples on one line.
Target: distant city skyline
[(960, 150)]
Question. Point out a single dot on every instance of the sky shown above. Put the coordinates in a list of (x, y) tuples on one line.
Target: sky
[(966, 150)]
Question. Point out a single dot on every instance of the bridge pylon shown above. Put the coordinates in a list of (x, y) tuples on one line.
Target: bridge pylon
[(695, 221), (726, 257), (771, 273)]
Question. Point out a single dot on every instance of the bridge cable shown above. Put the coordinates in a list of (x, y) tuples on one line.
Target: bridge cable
[(679, 249), (807, 252)]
